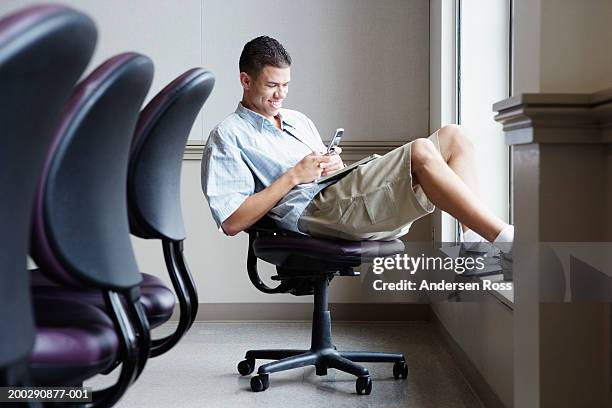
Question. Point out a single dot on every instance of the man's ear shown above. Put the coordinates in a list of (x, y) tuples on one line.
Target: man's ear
[(245, 81)]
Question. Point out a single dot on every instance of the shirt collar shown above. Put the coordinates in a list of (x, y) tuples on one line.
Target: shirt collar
[(258, 120)]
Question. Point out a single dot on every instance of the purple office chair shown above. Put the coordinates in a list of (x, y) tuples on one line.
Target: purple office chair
[(306, 266), (81, 238), (154, 184), (154, 203), (43, 52)]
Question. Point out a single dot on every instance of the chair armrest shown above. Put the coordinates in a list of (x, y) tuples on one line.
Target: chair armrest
[(254, 274), (265, 226)]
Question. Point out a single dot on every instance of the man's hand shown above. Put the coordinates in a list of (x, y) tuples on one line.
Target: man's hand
[(335, 164), (314, 166)]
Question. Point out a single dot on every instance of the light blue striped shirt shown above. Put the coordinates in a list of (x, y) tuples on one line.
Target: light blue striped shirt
[(245, 153)]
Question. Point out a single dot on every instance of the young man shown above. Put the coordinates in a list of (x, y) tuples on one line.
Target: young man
[(263, 159)]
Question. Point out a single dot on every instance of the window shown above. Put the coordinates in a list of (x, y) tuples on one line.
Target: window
[(484, 77)]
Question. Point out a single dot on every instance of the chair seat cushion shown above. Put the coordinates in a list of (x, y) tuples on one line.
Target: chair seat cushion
[(74, 341), (157, 300), (291, 251)]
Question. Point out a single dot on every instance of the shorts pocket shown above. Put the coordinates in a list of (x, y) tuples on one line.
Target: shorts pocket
[(380, 204), (352, 211)]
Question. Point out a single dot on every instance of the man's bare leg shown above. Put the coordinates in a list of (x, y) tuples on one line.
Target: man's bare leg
[(458, 152), (448, 191)]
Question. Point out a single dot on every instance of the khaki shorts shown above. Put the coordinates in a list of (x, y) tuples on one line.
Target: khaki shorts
[(376, 201)]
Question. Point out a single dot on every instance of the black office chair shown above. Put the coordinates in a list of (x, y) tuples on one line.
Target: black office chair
[(43, 52), (306, 266), (154, 184), (81, 238)]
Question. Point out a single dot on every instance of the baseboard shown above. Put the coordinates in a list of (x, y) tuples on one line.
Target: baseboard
[(372, 312), (479, 385)]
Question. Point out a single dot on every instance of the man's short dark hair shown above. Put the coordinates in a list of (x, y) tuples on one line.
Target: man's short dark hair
[(262, 51)]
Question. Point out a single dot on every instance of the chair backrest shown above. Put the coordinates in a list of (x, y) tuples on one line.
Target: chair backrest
[(43, 52), (80, 224), (154, 182)]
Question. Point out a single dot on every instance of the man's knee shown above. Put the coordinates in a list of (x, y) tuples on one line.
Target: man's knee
[(422, 152), (453, 139)]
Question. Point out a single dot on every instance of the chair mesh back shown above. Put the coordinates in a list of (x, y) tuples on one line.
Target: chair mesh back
[(43, 52)]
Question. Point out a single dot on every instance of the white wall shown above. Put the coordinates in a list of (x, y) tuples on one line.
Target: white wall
[(168, 34), (575, 45), (357, 64), (526, 46), (563, 46)]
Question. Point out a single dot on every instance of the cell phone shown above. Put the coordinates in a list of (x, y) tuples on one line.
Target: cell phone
[(335, 141)]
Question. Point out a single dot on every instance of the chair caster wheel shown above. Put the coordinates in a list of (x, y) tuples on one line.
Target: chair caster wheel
[(363, 385), (260, 383), (246, 367), (400, 369)]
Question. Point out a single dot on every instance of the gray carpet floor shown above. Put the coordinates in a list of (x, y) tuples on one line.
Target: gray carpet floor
[(201, 370)]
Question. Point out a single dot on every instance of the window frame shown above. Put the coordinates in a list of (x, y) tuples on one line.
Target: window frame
[(509, 93)]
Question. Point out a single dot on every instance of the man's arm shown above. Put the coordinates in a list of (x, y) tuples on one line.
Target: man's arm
[(258, 204)]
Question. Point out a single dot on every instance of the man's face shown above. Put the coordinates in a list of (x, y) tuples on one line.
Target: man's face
[(265, 94)]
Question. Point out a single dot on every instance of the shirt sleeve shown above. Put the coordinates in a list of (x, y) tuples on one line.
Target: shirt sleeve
[(226, 179)]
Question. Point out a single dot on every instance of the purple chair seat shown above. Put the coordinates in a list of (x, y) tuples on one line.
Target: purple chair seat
[(73, 338), (157, 299), (291, 251)]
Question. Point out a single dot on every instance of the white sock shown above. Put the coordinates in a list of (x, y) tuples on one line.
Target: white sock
[(505, 239)]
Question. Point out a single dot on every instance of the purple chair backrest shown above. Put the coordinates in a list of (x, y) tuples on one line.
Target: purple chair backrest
[(81, 230), (43, 52), (154, 192)]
